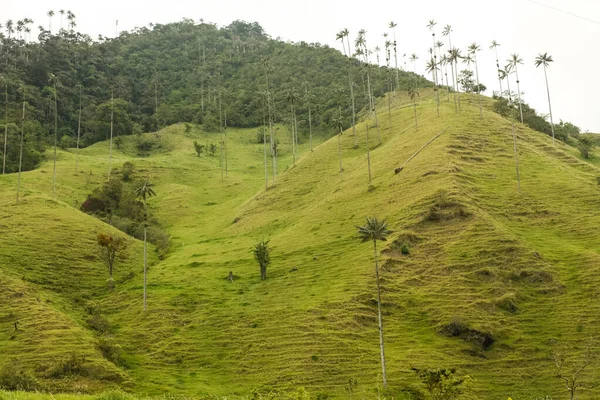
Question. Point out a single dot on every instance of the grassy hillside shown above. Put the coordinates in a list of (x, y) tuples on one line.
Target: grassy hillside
[(512, 271)]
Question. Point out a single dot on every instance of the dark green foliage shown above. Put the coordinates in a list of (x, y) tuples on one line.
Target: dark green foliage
[(116, 203), (442, 383), (171, 73), (405, 250), (585, 145), (458, 328), (212, 149), (13, 376), (198, 148), (111, 350), (262, 254), (33, 146)]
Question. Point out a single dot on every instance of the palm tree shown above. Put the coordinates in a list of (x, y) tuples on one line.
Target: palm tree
[(454, 55), (22, 90), (266, 65), (444, 60), (53, 80), (5, 79), (375, 230), (453, 61), (431, 25), (505, 74), (431, 66), (473, 49), (50, 14), (62, 13), (308, 97), (346, 34), (393, 25), (368, 152), (413, 94), (340, 36), (495, 46), (545, 60), (145, 191), (438, 45), (514, 61), (338, 125)]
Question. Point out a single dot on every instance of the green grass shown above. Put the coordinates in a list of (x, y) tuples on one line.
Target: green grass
[(523, 267)]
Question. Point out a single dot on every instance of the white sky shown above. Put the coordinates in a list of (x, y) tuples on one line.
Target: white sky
[(520, 26)]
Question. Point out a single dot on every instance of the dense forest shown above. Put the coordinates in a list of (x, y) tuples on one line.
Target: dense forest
[(163, 74)]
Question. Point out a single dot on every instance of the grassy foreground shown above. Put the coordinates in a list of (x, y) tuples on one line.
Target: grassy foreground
[(520, 269)]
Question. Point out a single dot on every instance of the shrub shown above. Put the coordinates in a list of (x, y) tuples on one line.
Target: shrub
[(72, 365), (13, 376), (66, 142), (127, 171), (111, 350)]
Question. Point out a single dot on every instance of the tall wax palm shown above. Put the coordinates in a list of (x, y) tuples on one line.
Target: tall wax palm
[(454, 55), (545, 60), (505, 74), (413, 58), (431, 67), (361, 43), (266, 65), (53, 80), (375, 230), (340, 36), (387, 63), (62, 13), (338, 125), (144, 191), (438, 45), (50, 14), (368, 151), (346, 34), (494, 46), (514, 61), (393, 25), (431, 26), (444, 60), (473, 49), (467, 59)]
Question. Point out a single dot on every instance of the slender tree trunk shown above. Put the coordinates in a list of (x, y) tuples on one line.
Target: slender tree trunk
[(265, 149), (21, 150), (310, 117), (55, 141), (78, 130), (293, 123), (368, 154), (145, 261), (372, 104), (498, 71), (226, 150), (519, 92), (396, 60), (435, 77), (112, 106), (512, 120), (478, 87), (5, 121), (380, 320), (273, 142), (353, 107), (389, 99), (549, 104)]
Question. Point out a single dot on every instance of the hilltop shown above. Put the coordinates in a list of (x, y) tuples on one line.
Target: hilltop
[(510, 271)]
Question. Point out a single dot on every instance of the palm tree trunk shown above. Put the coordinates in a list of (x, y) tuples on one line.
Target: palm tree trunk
[(265, 149), (380, 320), (549, 104), (273, 153), (368, 154), (5, 122), (21, 151), (78, 130), (353, 107), (415, 112), (372, 104), (454, 86), (340, 153), (310, 116), (55, 141), (145, 263), (293, 136), (112, 100), (478, 87), (498, 71), (519, 92), (512, 120)]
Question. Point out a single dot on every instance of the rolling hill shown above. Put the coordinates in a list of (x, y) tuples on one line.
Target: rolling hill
[(476, 275)]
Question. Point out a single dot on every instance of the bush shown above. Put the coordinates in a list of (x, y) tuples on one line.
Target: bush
[(66, 142), (585, 146), (72, 365), (111, 350)]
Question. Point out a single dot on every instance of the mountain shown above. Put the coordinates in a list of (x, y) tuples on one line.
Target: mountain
[(476, 275)]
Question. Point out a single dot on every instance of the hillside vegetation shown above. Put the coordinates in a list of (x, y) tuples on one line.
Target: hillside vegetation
[(475, 276)]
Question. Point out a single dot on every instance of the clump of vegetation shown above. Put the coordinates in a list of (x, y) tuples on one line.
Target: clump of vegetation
[(442, 383), (13, 376), (460, 329), (198, 148), (445, 208), (116, 203), (262, 254), (108, 248), (585, 145)]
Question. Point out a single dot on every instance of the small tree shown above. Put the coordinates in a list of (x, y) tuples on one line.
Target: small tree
[(144, 191), (188, 129), (442, 383), (585, 146), (109, 247), (262, 254), (575, 368), (212, 149), (198, 148)]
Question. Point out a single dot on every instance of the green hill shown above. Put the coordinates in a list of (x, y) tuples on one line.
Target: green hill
[(508, 273)]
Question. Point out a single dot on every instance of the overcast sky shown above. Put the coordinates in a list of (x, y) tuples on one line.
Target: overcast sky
[(520, 26)]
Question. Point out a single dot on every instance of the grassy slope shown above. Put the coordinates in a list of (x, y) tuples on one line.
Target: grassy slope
[(521, 266)]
